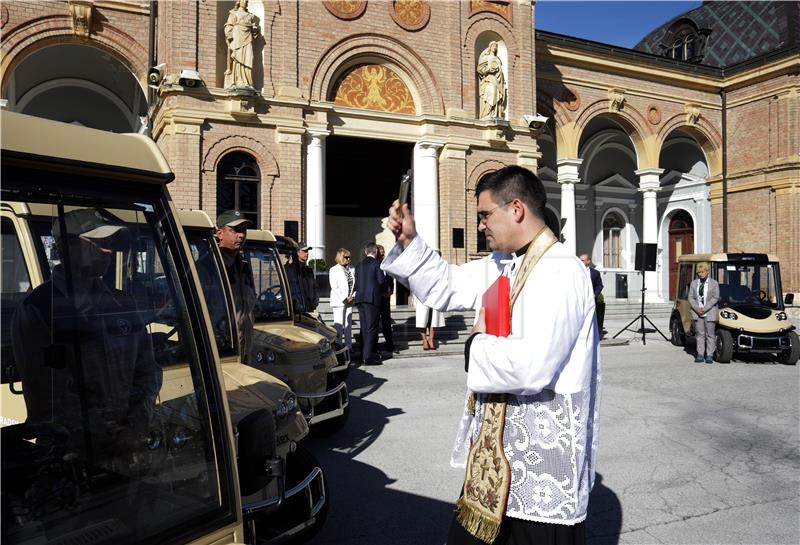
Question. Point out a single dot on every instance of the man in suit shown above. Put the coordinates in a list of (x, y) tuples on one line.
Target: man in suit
[(369, 287), (704, 299), (386, 310), (597, 287)]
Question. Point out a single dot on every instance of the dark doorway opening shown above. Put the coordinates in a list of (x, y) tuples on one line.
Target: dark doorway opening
[(362, 177), (681, 241)]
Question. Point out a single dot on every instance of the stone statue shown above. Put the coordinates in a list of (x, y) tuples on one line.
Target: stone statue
[(492, 83), (241, 30)]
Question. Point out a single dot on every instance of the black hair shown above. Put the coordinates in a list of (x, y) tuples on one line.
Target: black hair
[(515, 182), (370, 248)]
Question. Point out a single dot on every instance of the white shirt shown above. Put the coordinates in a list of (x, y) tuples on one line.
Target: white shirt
[(550, 364)]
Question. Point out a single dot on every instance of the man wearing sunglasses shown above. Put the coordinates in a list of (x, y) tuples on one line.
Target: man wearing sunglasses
[(532, 402)]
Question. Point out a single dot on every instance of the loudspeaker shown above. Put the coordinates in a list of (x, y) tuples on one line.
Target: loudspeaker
[(645, 256), (458, 237)]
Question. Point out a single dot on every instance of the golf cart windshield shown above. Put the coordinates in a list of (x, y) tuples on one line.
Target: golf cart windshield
[(749, 284)]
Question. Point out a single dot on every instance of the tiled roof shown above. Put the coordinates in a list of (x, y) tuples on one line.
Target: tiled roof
[(740, 31)]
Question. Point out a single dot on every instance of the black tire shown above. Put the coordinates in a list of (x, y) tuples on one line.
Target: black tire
[(724, 351), (298, 465), (676, 335), (791, 356)]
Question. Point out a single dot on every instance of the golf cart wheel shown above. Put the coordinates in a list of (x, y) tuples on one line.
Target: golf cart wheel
[(724, 351), (791, 356), (676, 337)]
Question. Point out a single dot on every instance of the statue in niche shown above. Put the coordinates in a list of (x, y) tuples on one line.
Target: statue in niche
[(241, 31), (492, 83)]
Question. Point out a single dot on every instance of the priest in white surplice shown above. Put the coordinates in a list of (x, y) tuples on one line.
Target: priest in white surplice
[(528, 437)]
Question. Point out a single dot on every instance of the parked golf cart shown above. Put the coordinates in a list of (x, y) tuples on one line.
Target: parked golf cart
[(752, 315)]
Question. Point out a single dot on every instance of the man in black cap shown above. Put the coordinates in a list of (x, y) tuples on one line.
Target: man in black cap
[(307, 280), (81, 347), (231, 235)]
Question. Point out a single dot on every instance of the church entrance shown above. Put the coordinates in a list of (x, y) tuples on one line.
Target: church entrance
[(681, 241), (362, 177)]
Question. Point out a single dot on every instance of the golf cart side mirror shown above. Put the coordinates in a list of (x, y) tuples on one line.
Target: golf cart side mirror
[(788, 299)]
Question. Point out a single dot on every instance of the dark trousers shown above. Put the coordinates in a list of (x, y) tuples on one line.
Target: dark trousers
[(368, 315), (600, 309), (386, 323), (523, 532)]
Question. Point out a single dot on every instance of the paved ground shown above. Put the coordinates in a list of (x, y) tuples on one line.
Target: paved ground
[(690, 453)]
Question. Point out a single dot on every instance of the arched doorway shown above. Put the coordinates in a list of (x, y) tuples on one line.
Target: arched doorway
[(681, 241), (238, 180)]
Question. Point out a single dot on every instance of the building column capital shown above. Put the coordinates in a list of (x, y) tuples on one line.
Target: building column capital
[(568, 171), (649, 179), (427, 148)]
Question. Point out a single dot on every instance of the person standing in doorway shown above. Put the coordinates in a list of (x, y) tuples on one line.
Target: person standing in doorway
[(704, 299), (342, 281), (597, 287), (231, 235), (545, 371), (386, 307), (369, 285)]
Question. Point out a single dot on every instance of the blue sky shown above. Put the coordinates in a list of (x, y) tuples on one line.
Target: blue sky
[(615, 23)]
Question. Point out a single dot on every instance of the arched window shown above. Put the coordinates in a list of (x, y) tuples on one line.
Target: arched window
[(238, 181), (684, 41), (612, 240)]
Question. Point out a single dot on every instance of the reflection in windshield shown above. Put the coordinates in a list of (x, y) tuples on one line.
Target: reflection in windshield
[(115, 443), (748, 284), (271, 302), (213, 291)]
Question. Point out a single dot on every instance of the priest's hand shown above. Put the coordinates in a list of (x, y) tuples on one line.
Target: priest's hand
[(480, 325), (401, 223)]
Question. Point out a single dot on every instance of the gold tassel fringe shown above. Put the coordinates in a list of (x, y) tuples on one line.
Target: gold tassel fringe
[(477, 524), (471, 404)]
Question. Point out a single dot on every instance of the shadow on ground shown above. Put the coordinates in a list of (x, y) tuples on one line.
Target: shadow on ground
[(363, 504), (604, 521)]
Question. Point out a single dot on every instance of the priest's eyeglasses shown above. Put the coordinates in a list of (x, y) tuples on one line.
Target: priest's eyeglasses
[(483, 216)]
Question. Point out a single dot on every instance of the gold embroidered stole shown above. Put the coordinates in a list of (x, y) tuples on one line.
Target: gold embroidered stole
[(481, 507)]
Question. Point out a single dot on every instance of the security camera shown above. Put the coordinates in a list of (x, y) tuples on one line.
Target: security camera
[(535, 122), (190, 78), (156, 74)]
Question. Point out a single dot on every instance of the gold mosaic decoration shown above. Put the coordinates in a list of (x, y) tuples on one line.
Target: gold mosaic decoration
[(410, 14), (500, 7), (346, 9), (375, 87)]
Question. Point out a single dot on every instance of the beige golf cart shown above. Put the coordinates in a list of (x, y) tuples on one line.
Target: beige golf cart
[(287, 247), (112, 390), (752, 316)]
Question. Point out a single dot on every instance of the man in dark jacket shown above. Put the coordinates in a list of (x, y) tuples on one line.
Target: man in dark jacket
[(369, 292), (386, 310), (307, 280), (597, 286)]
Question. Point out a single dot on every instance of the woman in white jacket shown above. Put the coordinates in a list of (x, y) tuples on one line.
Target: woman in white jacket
[(342, 281)]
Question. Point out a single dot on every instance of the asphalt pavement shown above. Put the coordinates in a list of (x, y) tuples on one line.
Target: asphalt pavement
[(689, 453)]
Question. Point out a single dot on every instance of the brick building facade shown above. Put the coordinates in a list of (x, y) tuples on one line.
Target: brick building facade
[(632, 150)]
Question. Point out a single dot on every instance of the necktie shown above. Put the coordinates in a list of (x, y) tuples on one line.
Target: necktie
[(702, 288)]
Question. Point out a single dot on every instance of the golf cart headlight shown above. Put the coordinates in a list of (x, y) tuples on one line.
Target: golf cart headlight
[(154, 439), (324, 346), (781, 316), (266, 356), (728, 315), (286, 406), (179, 438)]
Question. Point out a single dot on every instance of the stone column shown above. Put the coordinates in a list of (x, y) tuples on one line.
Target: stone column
[(649, 184), (315, 192), (426, 191), (568, 177)]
